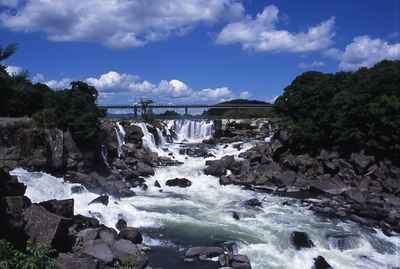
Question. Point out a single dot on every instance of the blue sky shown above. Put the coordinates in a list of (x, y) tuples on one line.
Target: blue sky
[(194, 51)]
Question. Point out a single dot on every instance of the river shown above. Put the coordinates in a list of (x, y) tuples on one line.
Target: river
[(172, 219)]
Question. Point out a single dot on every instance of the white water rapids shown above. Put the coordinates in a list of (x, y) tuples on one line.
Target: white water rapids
[(174, 219)]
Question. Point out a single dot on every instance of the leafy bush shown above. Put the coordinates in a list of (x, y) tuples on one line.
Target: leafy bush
[(35, 257)]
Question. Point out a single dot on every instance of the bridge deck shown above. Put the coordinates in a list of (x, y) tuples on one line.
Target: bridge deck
[(220, 106)]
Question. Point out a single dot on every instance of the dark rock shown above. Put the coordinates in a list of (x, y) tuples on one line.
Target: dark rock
[(9, 185), (45, 227), (209, 252), (255, 202), (179, 182), (62, 208), (215, 169), (325, 187), (157, 184), (100, 200), (144, 169), (151, 159), (361, 220), (273, 166), (134, 134), (121, 224), (354, 195), (81, 222), (301, 240), (283, 180), (68, 261), (99, 251), (237, 261), (132, 234), (240, 167), (321, 263), (361, 162), (343, 241), (390, 185), (15, 206), (123, 249), (235, 215), (226, 180)]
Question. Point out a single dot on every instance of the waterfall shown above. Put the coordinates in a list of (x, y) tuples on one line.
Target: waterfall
[(104, 155), (189, 130), (148, 139), (120, 136)]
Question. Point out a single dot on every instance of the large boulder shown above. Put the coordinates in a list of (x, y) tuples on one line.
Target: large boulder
[(179, 182), (62, 208), (204, 252), (125, 250), (9, 185), (45, 227), (301, 240), (215, 169), (69, 261), (132, 234), (145, 170), (134, 135), (236, 261)]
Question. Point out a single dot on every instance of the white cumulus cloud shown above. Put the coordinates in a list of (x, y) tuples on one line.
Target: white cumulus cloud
[(261, 34), (113, 85), (13, 70), (245, 95), (117, 23), (314, 64), (364, 51)]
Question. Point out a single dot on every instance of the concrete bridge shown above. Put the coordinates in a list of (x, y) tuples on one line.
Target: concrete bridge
[(145, 106)]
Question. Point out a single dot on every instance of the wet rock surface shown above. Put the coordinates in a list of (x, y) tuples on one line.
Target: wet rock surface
[(358, 188)]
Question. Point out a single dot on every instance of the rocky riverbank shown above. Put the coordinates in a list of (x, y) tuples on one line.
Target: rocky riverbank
[(358, 188)]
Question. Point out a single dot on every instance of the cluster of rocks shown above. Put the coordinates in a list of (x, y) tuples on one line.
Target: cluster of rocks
[(225, 259), (357, 188), (80, 242)]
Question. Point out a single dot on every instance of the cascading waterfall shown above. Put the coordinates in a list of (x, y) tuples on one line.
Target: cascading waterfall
[(120, 136), (104, 154), (175, 219), (191, 130)]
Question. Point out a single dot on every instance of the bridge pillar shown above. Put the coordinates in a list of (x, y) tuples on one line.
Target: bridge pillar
[(135, 112), (236, 112), (186, 111)]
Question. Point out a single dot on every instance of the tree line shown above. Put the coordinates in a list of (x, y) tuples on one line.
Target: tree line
[(348, 111), (73, 108)]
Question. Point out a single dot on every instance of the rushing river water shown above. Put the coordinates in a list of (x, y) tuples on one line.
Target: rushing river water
[(172, 219)]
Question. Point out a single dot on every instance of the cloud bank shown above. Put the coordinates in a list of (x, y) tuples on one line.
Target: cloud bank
[(125, 24), (113, 85), (364, 51), (261, 34), (115, 24)]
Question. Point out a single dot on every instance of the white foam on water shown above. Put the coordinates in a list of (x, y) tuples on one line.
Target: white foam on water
[(202, 214)]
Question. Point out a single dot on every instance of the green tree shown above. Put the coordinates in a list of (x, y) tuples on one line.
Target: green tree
[(350, 111)]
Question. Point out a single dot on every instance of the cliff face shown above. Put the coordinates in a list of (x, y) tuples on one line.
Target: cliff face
[(49, 149)]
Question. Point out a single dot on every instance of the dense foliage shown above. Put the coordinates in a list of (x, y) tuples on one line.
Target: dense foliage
[(36, 256), (74, 109), (346, 110), (243, 113)]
